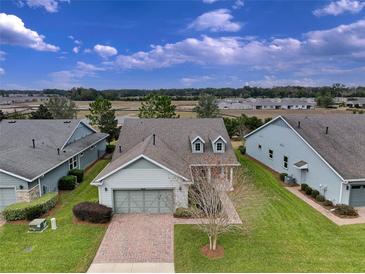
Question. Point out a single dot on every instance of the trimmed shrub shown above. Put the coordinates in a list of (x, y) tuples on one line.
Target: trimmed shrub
[(320, 198), (308, 190), (31, 210), (110, 148), (92, 212), (345, 210), (315, 193), (67, 182), (303, 187), (328, 203), (182, 212), (282, 176), (242, 150), (79, 173)]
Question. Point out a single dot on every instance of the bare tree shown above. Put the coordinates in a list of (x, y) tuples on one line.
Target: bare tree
[(209, 203)]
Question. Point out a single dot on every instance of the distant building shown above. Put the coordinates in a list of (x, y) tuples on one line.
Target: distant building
[(356, 102), (267, 103), (327, 152)]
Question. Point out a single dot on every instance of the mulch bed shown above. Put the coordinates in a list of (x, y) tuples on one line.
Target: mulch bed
[(79, 222), (213, 254)]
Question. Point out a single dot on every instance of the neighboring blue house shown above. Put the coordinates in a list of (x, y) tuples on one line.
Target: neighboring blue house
[(327, 152), (35, 154)]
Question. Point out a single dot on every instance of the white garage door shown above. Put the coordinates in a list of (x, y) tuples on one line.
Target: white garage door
[(357, 195), (143, 201), (7, 197)]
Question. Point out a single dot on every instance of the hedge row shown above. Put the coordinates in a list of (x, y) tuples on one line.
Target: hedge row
[(31, 210)]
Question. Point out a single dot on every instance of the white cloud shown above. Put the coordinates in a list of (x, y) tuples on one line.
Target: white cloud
[(49, 5), (216, 21), (13, 32), (188, 81), (2, 55), (105, 51), (339, 7), (343, 43), (238, 4), (2, 71), (76, 49), (209, 1)]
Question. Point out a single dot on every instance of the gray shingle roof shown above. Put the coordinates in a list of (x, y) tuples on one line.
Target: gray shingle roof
[(18, 156), (344, 145), (172, 143)]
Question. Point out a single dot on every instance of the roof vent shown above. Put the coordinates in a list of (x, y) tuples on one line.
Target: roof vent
[(67, 122), (33, 141), (298, 124), (326, 130), (154, 139)]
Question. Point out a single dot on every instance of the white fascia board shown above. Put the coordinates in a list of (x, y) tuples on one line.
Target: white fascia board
[(198, 137), (137, 158), (264, 125), (219, 137), (16, 176)]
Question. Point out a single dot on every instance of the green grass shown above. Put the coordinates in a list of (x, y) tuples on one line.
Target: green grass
[(284, 235), (70, 248)]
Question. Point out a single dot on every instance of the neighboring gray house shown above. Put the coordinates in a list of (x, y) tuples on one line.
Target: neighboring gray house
[(356, 102), (151, 169), (34, 154), (327, 152), (266, 103)]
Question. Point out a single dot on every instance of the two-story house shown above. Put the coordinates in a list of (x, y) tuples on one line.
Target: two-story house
[(35, 154), (151, 169)]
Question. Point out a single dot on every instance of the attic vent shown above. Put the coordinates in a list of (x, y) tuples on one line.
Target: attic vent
[(67, 122), (12, 122)]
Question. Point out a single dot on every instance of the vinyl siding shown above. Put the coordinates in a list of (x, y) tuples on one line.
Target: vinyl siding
[(50, 180), (91, 155), (80, 132), (143, 174), (8, 180), (284, 142)]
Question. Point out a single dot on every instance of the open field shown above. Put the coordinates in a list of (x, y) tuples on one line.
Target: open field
[(284, 234), (70, 248)]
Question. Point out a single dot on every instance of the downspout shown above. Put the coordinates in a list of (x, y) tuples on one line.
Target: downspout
[(341, 190), (39, 187)]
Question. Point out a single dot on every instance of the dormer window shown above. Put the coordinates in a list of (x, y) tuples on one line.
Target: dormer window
[(197, 145), (219, 144)]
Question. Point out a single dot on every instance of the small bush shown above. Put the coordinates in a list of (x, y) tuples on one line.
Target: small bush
[(92, 212), (282, 176), (79, 173), (345, 210), (31, 210), (67, 182), (328, 203), (320, 198), (182, 212), (308, 190), (303, 187), (110, 148), (315, 193), (242, 150)]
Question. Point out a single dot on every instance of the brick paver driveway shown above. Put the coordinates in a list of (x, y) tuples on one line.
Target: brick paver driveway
[(138, 238)]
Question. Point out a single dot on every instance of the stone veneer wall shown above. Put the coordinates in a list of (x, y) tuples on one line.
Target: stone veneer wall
[(27, 195)]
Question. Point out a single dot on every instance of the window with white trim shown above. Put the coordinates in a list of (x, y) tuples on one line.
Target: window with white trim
[(271, 154), (73, 162), (285, 162), (197, 147)]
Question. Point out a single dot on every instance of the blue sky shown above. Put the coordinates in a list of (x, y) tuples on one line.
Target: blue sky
[(178, 44)]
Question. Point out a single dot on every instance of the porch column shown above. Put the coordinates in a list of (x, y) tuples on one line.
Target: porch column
[(209, 175)]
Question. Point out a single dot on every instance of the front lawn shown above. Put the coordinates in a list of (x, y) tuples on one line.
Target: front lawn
[(70, 248), (284, 235)]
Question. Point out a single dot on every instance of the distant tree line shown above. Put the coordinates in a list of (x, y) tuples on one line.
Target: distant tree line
[(90, 94)]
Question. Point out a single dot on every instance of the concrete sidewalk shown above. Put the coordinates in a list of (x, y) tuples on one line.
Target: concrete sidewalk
[(337, 220), (131, 268)]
